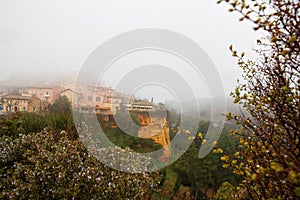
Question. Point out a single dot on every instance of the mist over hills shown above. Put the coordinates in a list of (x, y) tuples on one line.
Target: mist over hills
[(205, 106), (37, 78)]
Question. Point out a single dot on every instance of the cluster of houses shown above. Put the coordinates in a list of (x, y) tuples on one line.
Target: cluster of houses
[(103, 100)]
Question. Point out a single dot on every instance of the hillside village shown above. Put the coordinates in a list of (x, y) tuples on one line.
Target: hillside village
[(103, 101), (85, 98)]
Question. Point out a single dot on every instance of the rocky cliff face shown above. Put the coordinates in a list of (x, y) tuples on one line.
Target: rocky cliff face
[(157, 129)]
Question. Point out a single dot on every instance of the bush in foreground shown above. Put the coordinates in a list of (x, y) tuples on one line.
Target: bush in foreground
[(50, 165)]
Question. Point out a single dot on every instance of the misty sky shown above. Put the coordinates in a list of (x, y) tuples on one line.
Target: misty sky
[(60, 35)]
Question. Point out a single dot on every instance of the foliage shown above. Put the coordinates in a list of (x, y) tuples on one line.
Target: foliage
[(183, 193), (123, 140), (11, 127), (169, 187), (207, 173), (24, 123), (268, 157), (41, 161), (225, 192), (60, 105), (50, 165)]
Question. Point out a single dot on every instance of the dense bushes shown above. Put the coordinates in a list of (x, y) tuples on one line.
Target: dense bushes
[(39, 159), (49, 165), (35, 122)]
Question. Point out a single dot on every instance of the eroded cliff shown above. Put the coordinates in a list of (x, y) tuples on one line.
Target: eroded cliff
[(157, 129)]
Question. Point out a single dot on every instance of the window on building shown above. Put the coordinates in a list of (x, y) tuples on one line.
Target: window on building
[(98, 98), (34, 109), (7, 108), (90, 98), (24, 109)]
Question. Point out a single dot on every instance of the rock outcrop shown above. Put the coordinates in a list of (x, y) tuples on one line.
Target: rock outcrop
[(157, 129)]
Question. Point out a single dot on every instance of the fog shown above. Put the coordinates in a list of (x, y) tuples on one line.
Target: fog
[(58, 36)]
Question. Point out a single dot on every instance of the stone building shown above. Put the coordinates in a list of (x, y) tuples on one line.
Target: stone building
[(45, 93), (19, 103)]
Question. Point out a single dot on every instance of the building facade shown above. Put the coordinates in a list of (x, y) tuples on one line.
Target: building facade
[(19, 103), (45, 93)]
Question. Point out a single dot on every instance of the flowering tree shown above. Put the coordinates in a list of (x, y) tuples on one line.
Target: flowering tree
[(268, 158), (50, 165)]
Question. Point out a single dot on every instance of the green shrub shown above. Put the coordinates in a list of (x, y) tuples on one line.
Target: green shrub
[(49, 165)]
